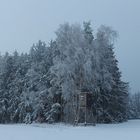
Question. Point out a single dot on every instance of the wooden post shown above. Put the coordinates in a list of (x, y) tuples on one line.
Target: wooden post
[(85, 109)]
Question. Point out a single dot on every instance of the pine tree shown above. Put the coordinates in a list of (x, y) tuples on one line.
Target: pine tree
[(134, 106), (113, 92)]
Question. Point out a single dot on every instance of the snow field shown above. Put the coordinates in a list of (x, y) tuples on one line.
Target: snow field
[(125, 131)]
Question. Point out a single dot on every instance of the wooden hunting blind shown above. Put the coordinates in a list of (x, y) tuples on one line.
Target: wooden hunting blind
[(83, 108)]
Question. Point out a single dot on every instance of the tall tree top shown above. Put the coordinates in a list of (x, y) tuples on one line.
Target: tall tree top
[(88, 32)]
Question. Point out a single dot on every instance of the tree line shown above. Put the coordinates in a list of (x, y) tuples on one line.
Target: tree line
[(39, 86)]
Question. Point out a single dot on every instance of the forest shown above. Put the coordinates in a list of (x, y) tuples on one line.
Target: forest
[(40, 86)]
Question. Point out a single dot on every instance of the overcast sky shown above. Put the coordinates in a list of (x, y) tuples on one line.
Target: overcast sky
[(24, 22)]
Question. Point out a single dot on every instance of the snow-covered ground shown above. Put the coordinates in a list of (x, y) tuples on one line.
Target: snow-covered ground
[(125, 131)]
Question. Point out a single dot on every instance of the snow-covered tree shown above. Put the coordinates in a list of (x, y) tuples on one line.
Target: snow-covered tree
[(134, 106), (113, 92), (40, 86)]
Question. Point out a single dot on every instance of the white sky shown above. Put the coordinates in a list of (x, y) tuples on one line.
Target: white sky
[(24, 22)]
